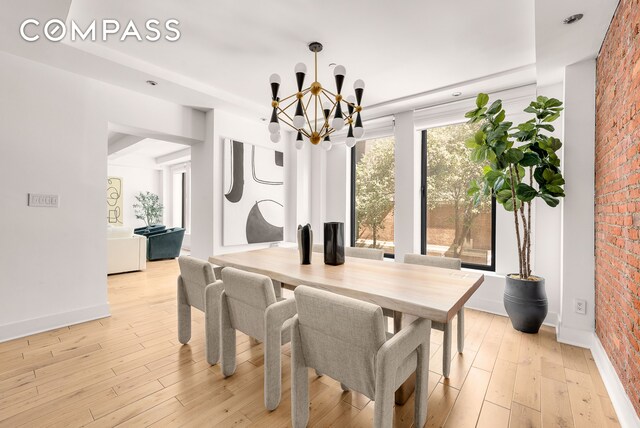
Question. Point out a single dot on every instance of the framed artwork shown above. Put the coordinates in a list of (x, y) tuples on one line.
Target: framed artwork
[(253, 205), (114, 201)]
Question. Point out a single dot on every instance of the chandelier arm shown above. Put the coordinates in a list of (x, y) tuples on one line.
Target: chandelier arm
[(330, 93), (304, 108), (316, 115), (286, 114), (304, 132), (289, 124), (290, 104)]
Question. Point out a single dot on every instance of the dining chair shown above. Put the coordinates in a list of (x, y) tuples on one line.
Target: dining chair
[(198, 288), (364, 253), (447, 263), (363, 357), (248, 304)]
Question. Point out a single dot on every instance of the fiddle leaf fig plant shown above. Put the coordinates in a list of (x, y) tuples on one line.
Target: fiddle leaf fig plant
[(520, 163)]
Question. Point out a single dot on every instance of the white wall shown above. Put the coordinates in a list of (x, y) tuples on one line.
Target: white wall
[(578, 247), (134, 181), (54, 140)]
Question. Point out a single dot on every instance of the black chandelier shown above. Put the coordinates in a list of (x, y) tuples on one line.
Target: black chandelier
[(318, 111)]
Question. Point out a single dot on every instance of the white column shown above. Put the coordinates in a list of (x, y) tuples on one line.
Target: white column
[(578, 263), (202, 193), (407, 193)]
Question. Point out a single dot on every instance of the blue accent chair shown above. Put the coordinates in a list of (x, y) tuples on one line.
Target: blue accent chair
[(165, 244), (150, 230)]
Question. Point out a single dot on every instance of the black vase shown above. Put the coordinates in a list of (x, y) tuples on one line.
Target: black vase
[(334, 243), (526, 303), (305, 243)]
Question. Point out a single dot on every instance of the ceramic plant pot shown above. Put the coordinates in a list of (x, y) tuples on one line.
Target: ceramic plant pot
[(526, 303)]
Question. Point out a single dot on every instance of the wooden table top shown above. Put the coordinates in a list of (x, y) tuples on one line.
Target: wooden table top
[(428, 292)]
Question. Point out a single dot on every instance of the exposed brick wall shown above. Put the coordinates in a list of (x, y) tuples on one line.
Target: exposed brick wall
[(617, 188)]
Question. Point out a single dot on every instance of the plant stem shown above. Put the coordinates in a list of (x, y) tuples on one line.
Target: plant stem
[(515, 215), (529, 216)]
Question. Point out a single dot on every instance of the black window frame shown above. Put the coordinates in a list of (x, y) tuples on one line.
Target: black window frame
[(423, 212), (353, 203)]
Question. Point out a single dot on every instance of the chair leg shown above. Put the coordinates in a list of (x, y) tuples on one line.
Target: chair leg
[(228, 334), (344, 387), (272, 369), (318, 373), (422, 381), (253, 341), (184, 314), (212, 323), (446, 350), (299, 382), (461, 330)]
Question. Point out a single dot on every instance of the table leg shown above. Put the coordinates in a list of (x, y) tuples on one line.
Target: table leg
[(406, 389), (461, 330), (446, 350)]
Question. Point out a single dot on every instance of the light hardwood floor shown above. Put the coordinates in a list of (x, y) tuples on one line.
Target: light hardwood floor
[(130, 370)]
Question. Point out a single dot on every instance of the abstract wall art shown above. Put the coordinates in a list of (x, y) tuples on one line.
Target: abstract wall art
[(253, 206), (114, 201)]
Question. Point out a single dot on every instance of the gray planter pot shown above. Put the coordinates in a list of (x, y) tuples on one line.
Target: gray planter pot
[(526, 303)]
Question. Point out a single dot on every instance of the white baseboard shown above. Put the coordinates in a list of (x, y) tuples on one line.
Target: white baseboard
[(574, 336), (627, 415), (496, 307), (50, 322)]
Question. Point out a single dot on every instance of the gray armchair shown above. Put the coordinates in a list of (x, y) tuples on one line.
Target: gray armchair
[(362, 357), (197, 287), (447, 263), (248, 304), (364, 253)]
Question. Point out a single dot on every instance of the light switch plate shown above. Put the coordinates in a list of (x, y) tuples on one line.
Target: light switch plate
[(41, 200)]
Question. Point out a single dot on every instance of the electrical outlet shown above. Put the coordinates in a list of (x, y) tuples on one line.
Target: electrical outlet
[(580, 306)]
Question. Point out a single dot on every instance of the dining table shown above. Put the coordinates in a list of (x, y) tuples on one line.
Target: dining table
[(403, 290)]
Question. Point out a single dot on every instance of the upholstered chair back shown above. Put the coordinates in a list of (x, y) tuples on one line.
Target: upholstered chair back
[(318, 248), (340, 336), (434, 261), (364, 253), (195, 274), (248, 295)]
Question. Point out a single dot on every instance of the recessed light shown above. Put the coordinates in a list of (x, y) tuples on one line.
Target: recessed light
[(152, 82), (333, 64), (456, 94), (264, 119), (573, 18)]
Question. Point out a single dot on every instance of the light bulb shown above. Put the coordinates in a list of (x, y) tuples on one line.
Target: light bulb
[(350, 142), (275, 137), (274, 127), (327, 144), (358, 84), (337, 123), (339, 70), (299, 144), (326, 105), (301, 68), (274, 78), (298, 121), (358, 132)]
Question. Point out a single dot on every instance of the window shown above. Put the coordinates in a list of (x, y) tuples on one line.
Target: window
[(372, 194), (452, 226)]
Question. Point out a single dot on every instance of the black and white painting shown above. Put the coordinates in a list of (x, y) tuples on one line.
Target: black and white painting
[(253, 207)]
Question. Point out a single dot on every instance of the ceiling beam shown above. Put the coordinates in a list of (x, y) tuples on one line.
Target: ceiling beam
[(175, 157), (118, 145)]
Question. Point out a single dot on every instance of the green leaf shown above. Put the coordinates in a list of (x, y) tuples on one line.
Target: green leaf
[(495, 107), (471, 114), (525, 192), (554, 189), (552, 102), (500, 116), (530, 159), (471, 143), (500, 147), (482, 100), (549, 128), (547, 174), (552, 117), (550, 200), (513, 155), (531, 109)]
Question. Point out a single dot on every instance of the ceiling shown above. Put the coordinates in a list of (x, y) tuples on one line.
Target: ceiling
[(146, 152), (410, 56)]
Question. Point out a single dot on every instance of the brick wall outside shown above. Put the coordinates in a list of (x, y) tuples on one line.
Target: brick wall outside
[(617, 191)]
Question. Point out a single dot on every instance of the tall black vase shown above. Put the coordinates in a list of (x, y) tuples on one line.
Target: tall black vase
[(305, 242), (526, 303), (334, 243)]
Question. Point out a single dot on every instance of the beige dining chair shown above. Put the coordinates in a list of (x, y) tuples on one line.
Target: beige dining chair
[(198, 288), (248, 304), (364, 253), (363, 357), (447, 263)]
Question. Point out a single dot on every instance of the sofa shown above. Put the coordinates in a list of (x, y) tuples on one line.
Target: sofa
[(126, 251), (165, 244)]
